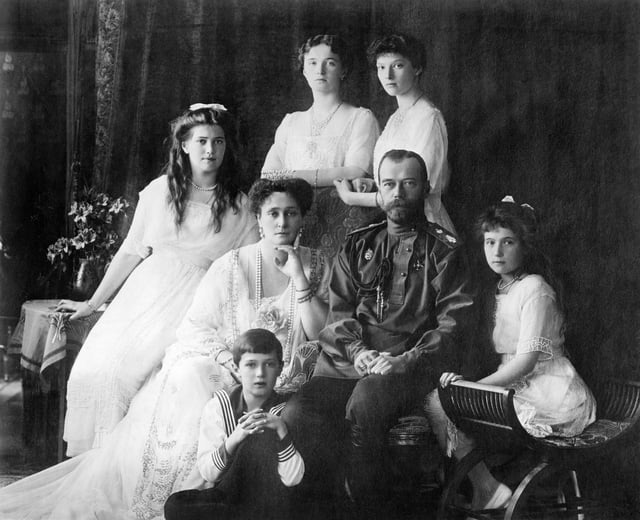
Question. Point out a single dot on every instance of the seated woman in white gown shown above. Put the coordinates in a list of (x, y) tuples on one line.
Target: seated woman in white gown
[(417, 125), (528, 333), (186, 218), (152, 452), (331, 140)]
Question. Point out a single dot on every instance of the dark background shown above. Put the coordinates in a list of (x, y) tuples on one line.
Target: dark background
[(541, 100)]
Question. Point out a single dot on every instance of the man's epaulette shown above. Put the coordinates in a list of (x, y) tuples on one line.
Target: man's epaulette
[(446, 237), (367, 228)]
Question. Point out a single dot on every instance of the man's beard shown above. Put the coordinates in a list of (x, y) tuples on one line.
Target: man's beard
[(403, 212)]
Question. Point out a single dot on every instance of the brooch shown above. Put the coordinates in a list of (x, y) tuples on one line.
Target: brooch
[(368, 254), (418, 264)]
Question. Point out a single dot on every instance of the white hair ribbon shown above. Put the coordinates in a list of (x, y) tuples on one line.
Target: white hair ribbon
[(212, 106)]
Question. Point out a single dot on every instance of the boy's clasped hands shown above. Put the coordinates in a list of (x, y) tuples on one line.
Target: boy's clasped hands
[(256, 421)]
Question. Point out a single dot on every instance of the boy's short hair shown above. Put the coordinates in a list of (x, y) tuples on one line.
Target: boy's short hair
[(256, 341)]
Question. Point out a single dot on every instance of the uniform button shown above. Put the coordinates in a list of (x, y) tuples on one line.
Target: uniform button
[(403, 274), (408, 250)]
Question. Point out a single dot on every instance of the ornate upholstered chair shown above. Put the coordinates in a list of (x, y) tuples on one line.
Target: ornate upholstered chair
[(487, 413)]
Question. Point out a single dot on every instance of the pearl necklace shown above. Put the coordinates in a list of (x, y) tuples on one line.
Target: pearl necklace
[(504, 287), (318, 127), (292, 301), (200, 188)]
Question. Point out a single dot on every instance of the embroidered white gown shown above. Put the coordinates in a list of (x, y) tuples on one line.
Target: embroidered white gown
[(130, 339), (152, 452), (347, 142), (552, 399), (421, 129)]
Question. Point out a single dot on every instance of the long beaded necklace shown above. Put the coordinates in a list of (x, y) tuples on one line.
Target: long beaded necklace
[(292, 299), (317, 127), (200, 188)]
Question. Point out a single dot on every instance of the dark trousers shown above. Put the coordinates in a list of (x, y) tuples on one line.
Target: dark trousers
[(249, 488), (323, 416)]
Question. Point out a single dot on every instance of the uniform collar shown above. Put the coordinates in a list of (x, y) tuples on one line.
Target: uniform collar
[(395, 229)]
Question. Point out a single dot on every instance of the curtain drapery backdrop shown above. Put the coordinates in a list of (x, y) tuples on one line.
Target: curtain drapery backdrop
[(541, 100)]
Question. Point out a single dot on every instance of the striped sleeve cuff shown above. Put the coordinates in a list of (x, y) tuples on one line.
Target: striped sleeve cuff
[(286, 449), (220, 457)]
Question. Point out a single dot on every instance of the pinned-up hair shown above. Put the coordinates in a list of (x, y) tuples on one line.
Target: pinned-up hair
[(402, 44), (299, 189), (334, 42)]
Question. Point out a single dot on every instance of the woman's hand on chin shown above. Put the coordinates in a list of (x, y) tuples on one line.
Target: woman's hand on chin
[(291, 265)]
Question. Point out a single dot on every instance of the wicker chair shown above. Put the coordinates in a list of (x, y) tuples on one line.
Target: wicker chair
[(487, 413)]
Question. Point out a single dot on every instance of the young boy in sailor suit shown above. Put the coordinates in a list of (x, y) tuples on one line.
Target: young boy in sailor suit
[(244, 448)]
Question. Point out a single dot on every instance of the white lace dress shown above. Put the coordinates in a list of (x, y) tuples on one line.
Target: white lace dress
[(130, 339), (552, 399), (152, 452), (344, 142), (421, 129)]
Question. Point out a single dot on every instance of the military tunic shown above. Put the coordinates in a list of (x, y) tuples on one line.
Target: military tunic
[(403, 292)]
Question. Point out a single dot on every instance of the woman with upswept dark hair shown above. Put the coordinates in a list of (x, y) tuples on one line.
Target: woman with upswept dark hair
[(417, 124), (330, 140), (185, 219)]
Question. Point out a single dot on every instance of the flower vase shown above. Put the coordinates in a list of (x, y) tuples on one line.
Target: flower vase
[(85, 279)]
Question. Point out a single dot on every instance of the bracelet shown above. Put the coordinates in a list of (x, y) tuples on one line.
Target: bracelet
[(304, 290), (91, 306), (306, 298)]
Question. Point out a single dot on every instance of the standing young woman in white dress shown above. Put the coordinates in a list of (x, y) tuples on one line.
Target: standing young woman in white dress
[(186, 218), (417, 125), (528, 334), (331, 140)]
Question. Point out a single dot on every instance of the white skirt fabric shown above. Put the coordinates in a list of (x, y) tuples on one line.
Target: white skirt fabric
[(554, 400), (150, 454), (126, 344)]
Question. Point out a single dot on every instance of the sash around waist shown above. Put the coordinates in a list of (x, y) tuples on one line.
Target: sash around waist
[(184, 257)]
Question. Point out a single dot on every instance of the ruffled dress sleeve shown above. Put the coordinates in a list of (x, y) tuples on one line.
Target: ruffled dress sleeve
[(539, 324), (363, 136), (134, 244), (203, 328)]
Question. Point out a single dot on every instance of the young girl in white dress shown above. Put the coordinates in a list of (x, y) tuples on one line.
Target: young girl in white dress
[(417, 125), (528, 333), (331, 140), (185, 219)]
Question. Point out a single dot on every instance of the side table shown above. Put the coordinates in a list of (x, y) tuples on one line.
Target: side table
[(48, 343)]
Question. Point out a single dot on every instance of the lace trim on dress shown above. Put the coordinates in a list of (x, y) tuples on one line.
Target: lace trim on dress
[(537, 344)]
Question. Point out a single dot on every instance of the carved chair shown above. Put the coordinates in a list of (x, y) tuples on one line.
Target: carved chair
[(487, 413)]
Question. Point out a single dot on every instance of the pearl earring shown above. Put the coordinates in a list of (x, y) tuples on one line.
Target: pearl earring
[(296, 243), (261, 232)]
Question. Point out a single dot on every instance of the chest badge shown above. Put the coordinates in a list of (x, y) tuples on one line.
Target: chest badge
[(418, 264), (368, 254)]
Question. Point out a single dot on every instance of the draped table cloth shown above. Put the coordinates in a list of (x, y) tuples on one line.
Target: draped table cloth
[(47, 343)]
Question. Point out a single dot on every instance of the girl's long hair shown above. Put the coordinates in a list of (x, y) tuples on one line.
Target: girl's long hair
[(523, 221), (178, 168)]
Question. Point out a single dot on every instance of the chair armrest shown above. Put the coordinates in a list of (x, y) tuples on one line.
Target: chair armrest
[(470, 404), (619, 400)]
